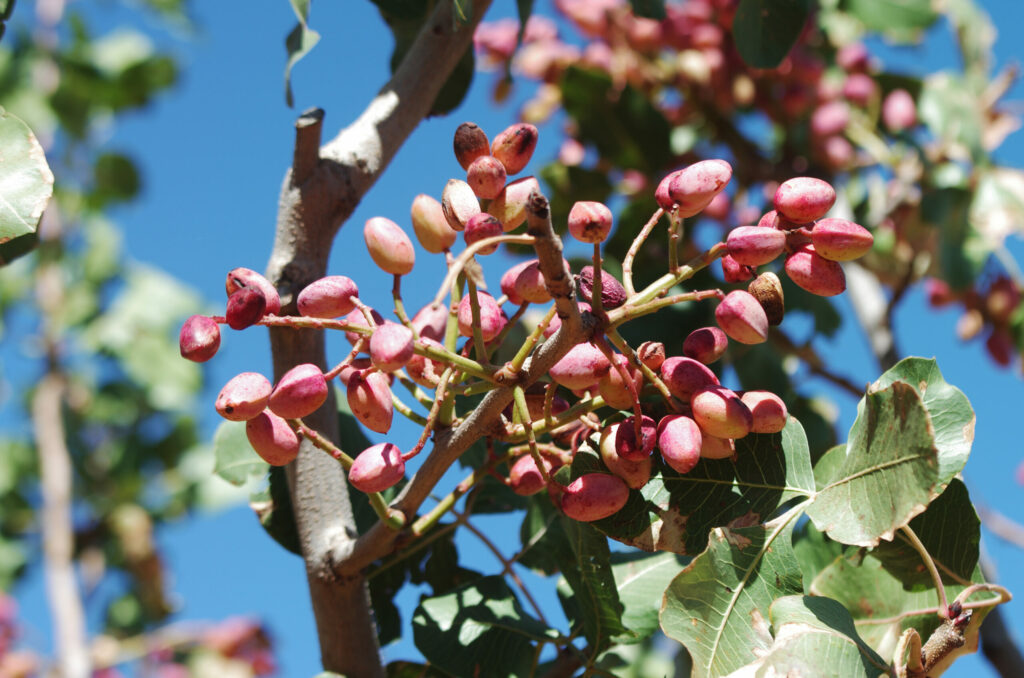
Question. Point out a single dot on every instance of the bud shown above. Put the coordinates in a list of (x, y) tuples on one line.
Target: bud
[(626, 444), (686, 376), (199, 339), (329, 297), (243, 397), (514, 147), (841, 240), (651, 354), (734, 272), (635, 473), (721, 413), (492, 320), (389, 246), (459, 203), (815, 274), (899, 111), (300, 392), (742, 318), (524, 476), (613, 294), (594, 496), (272, 438), (486, 176), (377, 468), (581, 368), (716, 448), (369, 398), (804, 199), (754, 246), (469, 144), (590, 221), (391, 347), (695, 186), (768, 410), (679, 440), (357, 319), (423, 370), (430, 225), (245, 277), (480, 227), (705, 344), (431, 322), (245, 308), (510, 205), (767, 289)]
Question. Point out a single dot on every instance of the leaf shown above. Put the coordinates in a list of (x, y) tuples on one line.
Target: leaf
[(6, 9), (814, 550), (718, 605), (890, 473), (115, 179), (234, 459), (952, 111), (298, 44), (651, 9), (815, 636), (273, 506), (997, 205), (641, 579), (26, 184), (765, 30), (962, 253), (829, 466), (406, 669), (478, 630), (898, 19)]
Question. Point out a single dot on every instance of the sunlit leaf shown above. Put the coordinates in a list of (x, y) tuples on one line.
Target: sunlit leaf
[(273, 506), (235, 460), (26, 184), (642, 579), (298, 44), (899, 19)]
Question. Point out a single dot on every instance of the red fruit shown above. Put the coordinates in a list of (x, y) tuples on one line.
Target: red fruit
[(329, 297), (389, 246), (686, 376), (510, 205), (804, 199), (814, 273), (199, 339), (742, 318), (679, 439), (830, 118), (486, 176), (459, 203), (939, 293), (768, 410), (369, 398), (524, 476), (626, 444), (469, 144), (651, 354), (423, 370), (716, 448), (492, 320), (734, 272), (594, 496), (508, 283), (581, 368), (635, 473), (480, 227), (853, 57), (721, 413), (705, 345), (661, 193), (614, 389), (300, 392), (530, 284), (899, 112), (272, 438), (1000, 347), (754, 245), (430, 225), (243, 397), (613, 294), (514, 146), (357, 319), (695, 186), (590, 221), (841, 240), (718, 208), (377, 468), (245, 308), (431, 322), (775, 220), (245, 277), (860, 89), (391, 347)]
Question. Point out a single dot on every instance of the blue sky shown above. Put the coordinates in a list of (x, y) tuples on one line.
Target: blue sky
[(213, 153)]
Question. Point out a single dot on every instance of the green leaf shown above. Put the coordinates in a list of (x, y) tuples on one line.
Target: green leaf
[(953, 113), (234, 459), (815, 636), (405, 669), (115, 179), (652, 9), (642, 579), (26, 184), (962, 252), (765, 30), (890, 473), (829, 466), (298, 44), (455, 88), (478, 630), (814, 550), (898, 19), (273, 507), (718, 606)]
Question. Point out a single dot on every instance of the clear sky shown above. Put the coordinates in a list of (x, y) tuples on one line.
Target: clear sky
[(213, 153)]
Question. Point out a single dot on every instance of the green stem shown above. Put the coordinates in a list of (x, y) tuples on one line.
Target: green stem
[(524, 414), (474, 307), (396, 293), (930, 564), (516, 363), (627, 263), (665, 282)]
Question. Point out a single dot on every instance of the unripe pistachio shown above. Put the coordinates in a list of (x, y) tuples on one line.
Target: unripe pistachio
[(754, 245), (626, 444), (742, 318), (272, 438), (246, 277), (860, 89), (530, 284), (767, 289), (814, 273), (430, 225), (613, 294), (718, 208), (389, 246), (492, 320), (899, 111), (841, 240), (508, 283), (581, 368), (377, 468), (329, 297), (695, 186), (510, 205), (357, 365), (480, 227), (679, 440), (635, 473), (486, 176), (431, 322), (773, 219), (199, 338), (651, 354), (423, 370), (837, 152), (721, 413), (514, 146), (245, 308), (470, 143), (243, 397), (459, 203), (804, 199), (661, 193), (830, 118), (357, 319), (525, 478), (716, 448), (705, 344), (614, 389), (686, 376), (768, 410), (369, 398), (391, 347), (594, 496), (734, 272), (590, 221), (300, 392)]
